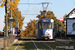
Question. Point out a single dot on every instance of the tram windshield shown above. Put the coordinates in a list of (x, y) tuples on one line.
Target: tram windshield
[(45, 25)]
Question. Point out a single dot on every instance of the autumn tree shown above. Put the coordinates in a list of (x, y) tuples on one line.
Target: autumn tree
[(64, 19), (12, 5), (30, 30), (20, 18), (65, 16)]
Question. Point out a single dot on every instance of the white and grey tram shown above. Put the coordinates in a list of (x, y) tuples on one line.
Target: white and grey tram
[(44, 29)]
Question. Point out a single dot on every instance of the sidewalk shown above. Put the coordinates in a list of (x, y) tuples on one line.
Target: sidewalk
[(65, 41), (2, 42), (1, 38), (62, 40)]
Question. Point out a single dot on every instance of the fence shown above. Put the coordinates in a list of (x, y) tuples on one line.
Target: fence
[(6, 42)]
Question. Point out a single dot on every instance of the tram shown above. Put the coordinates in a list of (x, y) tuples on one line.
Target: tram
[(44, 28)]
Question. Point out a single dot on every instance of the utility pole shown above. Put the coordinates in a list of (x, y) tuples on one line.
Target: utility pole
[(17, 21), (6, 18), (11, 24)]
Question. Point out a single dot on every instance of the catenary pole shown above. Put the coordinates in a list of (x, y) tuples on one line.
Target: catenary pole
[(6, 24)]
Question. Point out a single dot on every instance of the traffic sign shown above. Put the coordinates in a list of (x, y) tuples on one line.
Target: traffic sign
[(61, 19)]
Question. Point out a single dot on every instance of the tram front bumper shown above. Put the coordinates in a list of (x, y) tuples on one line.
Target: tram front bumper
[(46, 36)]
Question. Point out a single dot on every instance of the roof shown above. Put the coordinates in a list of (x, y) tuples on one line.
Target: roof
[(71, 12)]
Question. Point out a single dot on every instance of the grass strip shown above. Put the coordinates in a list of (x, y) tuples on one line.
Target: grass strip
[(26, 45)]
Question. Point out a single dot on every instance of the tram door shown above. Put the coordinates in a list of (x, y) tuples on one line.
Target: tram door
[(40, 30)]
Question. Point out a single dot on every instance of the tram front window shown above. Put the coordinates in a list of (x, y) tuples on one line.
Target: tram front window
[(46, 25)]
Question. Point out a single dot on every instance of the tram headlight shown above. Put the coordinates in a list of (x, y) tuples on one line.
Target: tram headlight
[(48, 34)]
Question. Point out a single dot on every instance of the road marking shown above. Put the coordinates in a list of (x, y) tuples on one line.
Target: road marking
[(18, 44), (47, 45), (34, 44)]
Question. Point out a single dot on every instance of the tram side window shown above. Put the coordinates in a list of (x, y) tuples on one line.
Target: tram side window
[(50, 25), (36, 25), (39, 25)]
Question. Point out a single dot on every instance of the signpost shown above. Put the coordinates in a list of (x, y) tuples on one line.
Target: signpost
[(61, 19)]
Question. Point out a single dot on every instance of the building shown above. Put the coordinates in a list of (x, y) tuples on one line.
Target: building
[(70, 15)]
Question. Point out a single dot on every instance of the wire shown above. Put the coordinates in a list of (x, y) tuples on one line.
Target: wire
[(30, 14), (31, 3), (34, 3), (28, 6)]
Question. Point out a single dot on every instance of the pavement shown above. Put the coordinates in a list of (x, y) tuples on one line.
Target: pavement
[(1, 38), (1, 41), (65, 41), (62, 40)]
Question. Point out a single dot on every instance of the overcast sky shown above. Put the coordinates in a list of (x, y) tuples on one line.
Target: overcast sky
[(59, 7)]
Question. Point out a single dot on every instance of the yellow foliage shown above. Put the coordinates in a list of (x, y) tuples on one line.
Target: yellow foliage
[(30, 30), (14, 13), (12, 3), (1, 5)]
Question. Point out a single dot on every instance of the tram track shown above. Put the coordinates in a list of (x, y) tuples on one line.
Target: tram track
[(48, 46), (42, 43), (34, 44), (45, 43), (60, 45)]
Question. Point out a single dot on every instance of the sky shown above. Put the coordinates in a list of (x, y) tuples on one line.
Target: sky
[(59, 8)]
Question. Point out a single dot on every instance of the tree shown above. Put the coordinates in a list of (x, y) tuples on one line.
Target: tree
[(30, 30), (12, 5), (20, 18), (65, 16), (64, 19)]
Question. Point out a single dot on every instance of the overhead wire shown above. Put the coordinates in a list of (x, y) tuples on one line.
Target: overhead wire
[(33, 4), (41, 6), (27, 9), (28, 6)]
